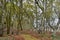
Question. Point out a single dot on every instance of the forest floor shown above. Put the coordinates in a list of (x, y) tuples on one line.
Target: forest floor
[(29, 35)]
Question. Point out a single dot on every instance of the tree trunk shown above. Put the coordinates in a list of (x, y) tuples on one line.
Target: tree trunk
[(20, 17)]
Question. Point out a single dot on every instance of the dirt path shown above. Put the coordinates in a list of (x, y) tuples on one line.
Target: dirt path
[(29, 37), (24, 37)]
